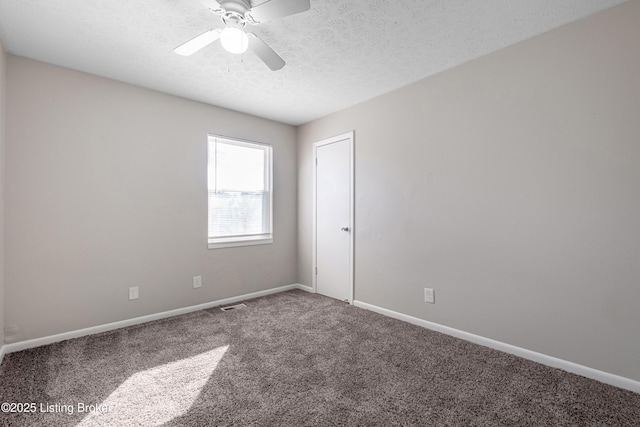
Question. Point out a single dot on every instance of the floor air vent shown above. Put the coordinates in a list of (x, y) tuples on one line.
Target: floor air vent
[(233, 307)]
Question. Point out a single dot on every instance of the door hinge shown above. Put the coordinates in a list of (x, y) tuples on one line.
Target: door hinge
[(316, 271)]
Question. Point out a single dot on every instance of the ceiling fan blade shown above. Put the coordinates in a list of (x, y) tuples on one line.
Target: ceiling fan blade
[(211, 4), (197, 43), (265, 53), (275, 9)]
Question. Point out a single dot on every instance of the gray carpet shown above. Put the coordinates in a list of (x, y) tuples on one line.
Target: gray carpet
[(296, 359)]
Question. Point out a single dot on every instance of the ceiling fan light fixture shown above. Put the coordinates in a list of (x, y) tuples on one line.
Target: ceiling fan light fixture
[(233, 38)]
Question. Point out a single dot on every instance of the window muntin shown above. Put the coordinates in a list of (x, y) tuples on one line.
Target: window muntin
[(240, 193)]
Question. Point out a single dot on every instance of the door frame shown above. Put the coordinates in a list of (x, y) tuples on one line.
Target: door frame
[(350, 137)]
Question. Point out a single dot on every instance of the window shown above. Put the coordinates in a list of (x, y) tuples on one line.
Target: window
[(240, 202)]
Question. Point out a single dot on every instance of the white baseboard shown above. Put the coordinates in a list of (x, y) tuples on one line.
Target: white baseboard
[(304, 288), (2, 351), (37, 342), (554, 362)]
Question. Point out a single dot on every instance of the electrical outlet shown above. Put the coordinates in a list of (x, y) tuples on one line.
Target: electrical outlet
[(429, 296), (133, 292), (197, 282)]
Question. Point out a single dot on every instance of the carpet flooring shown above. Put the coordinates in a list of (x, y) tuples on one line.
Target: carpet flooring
[(295, 359)]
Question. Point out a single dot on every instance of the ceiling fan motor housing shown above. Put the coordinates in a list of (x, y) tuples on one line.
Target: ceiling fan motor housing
[(239, 7), (234, 13)]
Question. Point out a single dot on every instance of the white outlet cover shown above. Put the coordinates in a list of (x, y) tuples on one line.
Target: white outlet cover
[(197, 282), (133, 292), (429, 295)]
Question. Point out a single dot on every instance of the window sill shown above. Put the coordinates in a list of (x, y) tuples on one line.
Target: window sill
[(239, 241)]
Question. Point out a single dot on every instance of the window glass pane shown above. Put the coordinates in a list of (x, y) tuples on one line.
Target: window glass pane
[(236, 214), (239, 168)]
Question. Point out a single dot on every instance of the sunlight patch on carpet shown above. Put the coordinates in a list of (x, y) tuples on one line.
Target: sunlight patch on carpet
[(157, 395)]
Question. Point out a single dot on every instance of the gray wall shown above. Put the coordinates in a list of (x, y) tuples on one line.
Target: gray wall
[(3, 62), (510, 185), (106, 189)]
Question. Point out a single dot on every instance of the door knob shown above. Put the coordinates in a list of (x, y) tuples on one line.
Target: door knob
[(345, 229)]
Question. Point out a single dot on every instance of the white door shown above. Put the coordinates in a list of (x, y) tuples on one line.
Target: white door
[(334, 217)]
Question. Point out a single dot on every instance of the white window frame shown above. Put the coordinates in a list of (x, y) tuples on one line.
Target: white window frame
[(243, 240)]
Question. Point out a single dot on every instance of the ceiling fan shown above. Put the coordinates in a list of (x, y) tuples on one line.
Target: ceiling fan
[(236, 14)]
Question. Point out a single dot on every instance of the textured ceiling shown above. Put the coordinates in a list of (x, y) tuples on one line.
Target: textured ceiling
[(339, 53)]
